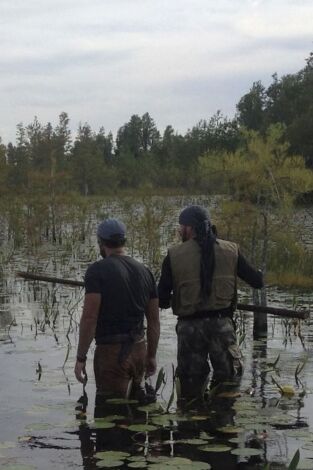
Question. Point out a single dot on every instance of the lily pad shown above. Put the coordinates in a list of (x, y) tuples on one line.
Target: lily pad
[(258, 427), (281, 419), (162, 466), (101, 424), (137, 464), (177, 417), (204, 435), (112, 418), (247, 404), (142, 427), (215, 448), (247, 412), (168, 419), (197, 465), (194, 442), (112, 454), (161, 420), (253, 421), (151, 408), (109, 464), (137, 458), (235, 440), (159, 459), (178, 461), (121, 401), (305, 464), (230, 429), (246, 451)]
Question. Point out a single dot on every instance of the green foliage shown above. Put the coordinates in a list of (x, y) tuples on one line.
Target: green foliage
[(288, 254), (137, 136), (262, 182), (251, 107), (143, 221), (260, 172), (287, 100), (90, 162), (265, 162)]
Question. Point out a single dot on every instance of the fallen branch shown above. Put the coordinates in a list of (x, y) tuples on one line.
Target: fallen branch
[(282, 312), (54, 280)]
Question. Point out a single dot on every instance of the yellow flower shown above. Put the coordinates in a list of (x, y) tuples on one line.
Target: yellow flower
[(287, 390)]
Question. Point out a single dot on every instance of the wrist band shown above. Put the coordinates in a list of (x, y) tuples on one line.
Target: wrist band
[(81, 358)]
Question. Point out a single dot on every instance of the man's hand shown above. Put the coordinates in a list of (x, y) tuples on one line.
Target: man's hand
[(87, 328), (151, 366), (80, 372)]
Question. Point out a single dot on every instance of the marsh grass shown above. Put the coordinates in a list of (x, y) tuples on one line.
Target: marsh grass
[(69, 220)]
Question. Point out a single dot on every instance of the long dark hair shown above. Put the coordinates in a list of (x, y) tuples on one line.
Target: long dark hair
[(206, 240), (205, 235)]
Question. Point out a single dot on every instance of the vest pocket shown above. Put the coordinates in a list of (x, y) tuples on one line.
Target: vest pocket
[(225, 289), (189, 295)]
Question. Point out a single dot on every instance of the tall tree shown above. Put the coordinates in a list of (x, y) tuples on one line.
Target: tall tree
[(287, 100), (18, 161), (251, 107), (88, 165), (137, 136), (62, 141)]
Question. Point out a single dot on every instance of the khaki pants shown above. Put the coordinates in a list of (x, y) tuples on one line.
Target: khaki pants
[(115, 378)]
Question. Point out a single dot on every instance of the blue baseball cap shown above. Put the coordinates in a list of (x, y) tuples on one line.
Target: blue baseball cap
[(111, 229)]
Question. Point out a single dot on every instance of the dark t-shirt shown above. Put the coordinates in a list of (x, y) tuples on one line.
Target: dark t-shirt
[(126, 286)]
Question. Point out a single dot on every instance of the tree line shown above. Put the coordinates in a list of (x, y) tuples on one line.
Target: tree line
[(50, 159)]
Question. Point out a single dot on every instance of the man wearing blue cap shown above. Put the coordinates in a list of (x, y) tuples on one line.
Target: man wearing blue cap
[(198, 280), (119, 293)]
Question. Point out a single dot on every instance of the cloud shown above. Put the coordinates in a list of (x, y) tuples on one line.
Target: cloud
[(181, 61)]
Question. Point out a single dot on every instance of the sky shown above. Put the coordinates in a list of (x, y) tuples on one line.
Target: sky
[(102, 61)]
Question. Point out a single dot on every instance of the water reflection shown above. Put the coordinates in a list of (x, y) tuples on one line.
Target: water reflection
[(45, 333), (185, 433)]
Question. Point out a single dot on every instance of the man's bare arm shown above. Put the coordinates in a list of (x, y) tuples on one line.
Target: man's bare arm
[(87, 329), (153, 334)]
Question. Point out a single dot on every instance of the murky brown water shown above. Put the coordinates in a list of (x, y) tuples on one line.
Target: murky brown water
[(40, 428)]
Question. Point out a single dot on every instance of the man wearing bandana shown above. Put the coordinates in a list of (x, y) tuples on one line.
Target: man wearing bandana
[(198, 280)]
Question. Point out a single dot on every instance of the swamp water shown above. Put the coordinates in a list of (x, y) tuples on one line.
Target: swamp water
[(47, 424)]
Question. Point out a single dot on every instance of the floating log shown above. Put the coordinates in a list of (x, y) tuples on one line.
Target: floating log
[(54, 280), (282, 312)]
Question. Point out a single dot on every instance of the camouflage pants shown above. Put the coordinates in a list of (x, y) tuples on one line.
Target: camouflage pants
[(200, 339)]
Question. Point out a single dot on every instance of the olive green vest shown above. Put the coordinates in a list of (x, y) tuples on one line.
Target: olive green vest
[(185, 263)]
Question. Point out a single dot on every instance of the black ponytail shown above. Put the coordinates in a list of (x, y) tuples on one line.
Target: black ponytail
[(206, 240), (205, 235)]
